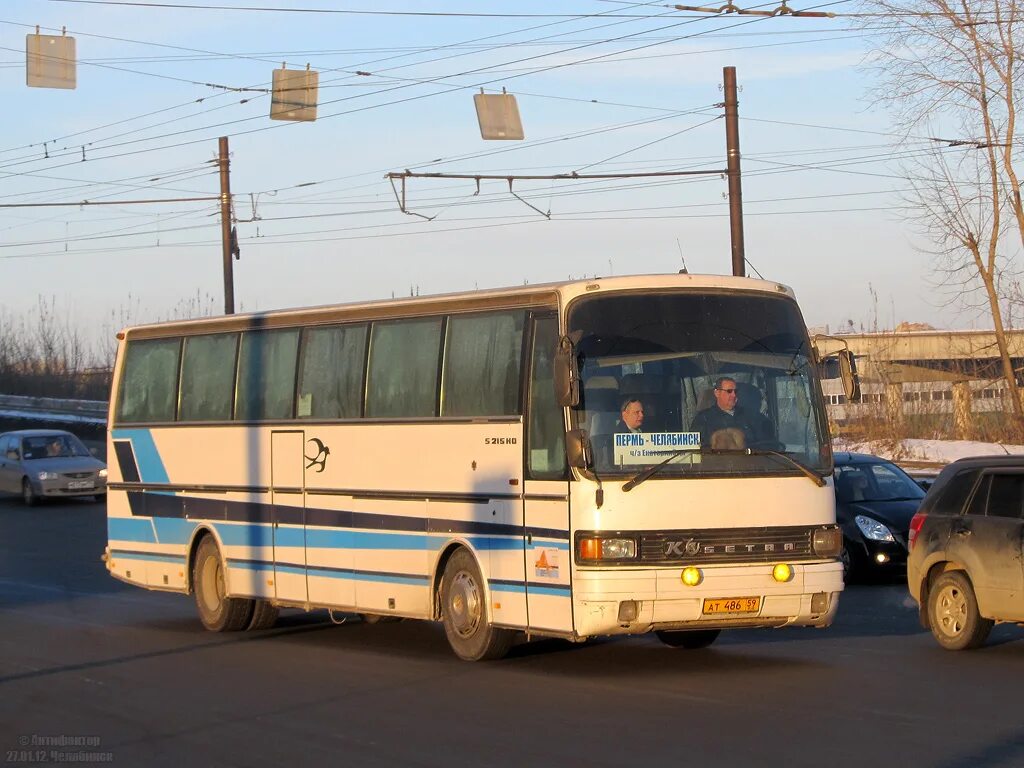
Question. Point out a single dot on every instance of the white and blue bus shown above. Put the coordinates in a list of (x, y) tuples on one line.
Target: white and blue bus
[(460, 458)]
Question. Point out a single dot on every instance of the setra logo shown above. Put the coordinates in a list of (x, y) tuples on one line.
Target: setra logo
[(679, 548), (694, 547)]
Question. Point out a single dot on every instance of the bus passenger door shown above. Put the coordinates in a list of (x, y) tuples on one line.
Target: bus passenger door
[(547, 535), (288, 517)]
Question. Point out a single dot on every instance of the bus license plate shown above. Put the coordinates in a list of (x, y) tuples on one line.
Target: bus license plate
[(731, 605), (79, 484)]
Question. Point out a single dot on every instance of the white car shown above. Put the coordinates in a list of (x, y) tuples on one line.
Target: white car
[(40, 463)]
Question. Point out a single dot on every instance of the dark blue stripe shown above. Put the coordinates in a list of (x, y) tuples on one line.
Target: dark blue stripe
[(126, 461), (157, 504)]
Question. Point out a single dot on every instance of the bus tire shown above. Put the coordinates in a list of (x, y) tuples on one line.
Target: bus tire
[(217, 611), (464, 612), (378, 618), (688, 639), (264, 615)]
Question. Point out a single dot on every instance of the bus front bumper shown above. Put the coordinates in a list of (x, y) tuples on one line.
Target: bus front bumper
[(621, 601)]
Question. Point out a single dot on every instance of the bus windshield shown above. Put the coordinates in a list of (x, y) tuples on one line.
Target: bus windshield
[(685, 373)]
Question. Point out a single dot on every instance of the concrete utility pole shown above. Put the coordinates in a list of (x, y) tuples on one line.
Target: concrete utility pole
[(732, 150), (225, 227)]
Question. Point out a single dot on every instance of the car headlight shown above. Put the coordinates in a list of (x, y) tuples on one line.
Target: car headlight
[(46, 475), (872, 529), (102, 474)]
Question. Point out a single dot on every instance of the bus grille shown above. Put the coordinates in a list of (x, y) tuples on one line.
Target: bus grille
[(727, 545)]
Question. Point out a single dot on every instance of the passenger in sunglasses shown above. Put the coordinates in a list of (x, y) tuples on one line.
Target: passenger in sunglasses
[(726, 413)]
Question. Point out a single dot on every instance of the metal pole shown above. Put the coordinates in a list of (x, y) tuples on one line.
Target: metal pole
[(732, 150), (225, 227)]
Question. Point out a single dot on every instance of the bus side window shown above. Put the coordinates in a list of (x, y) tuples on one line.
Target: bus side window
[(545, 439), (481, 366), (402, 377), (331, 383), (266, 375), (208, 377), (149, 381)]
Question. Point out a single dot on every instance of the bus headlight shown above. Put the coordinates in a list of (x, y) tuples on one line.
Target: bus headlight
[(598, 548), (827, 542)]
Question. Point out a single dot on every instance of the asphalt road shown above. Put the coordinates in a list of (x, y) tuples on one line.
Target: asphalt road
[(95, 671)]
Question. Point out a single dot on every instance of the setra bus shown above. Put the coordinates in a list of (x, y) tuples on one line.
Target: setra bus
[(461, 458)]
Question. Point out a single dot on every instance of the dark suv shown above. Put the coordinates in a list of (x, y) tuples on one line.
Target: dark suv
[(965, 566)]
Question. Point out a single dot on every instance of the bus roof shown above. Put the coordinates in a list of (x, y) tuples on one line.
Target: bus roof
[(539, 295)]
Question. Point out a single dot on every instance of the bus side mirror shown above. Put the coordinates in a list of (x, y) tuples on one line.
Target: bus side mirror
[(848, 373), (567, 378), (577, 448)]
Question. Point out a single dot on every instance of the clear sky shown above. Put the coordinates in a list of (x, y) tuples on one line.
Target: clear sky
[(602, 86)]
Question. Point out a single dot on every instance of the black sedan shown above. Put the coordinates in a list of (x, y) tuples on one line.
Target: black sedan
[(875, 500)]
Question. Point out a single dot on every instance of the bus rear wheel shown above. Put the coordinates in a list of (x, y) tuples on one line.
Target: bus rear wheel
[(464, 612), (264, 615), (689, 639), (217, 611)]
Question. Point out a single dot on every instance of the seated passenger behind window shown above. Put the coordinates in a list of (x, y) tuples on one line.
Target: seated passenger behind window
[(726, 413), (631, 419), (728, 438)]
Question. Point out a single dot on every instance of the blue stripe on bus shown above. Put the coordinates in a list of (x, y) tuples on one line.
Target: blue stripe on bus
[(318, 538), (535, 588), (152, 503), (563, 545), (326, 572), (173, 531), (556, 590), (178, 531), (151, 466), (151, 556), (138, 529), (507, 586)]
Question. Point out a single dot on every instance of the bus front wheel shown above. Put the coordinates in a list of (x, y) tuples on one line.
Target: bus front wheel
[(217, 611), (464, 612)]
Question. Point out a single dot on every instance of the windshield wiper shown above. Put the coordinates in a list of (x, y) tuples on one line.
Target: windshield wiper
[(634, 481)]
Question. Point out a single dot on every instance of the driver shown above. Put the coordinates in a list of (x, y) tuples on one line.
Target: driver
[(725, 414)]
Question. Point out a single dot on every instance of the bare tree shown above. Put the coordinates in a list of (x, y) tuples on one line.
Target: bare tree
[(952, 68)]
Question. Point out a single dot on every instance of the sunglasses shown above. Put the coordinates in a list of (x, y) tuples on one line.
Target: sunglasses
[(727, 391)]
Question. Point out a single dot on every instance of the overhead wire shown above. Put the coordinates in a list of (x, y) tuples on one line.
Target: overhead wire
[(365, 63), (448, 90)]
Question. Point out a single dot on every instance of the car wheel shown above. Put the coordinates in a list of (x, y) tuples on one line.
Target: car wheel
[(28, 493), (689, 639), (217, 611), (847, 561), (464, 612), (953, 613)]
